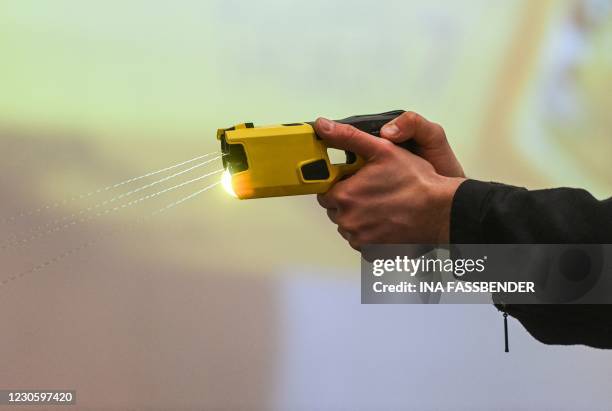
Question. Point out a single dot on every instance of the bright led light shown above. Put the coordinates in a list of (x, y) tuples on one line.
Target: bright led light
[(226, 182)]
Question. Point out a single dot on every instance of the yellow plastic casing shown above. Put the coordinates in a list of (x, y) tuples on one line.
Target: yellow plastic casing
[(275, 157)]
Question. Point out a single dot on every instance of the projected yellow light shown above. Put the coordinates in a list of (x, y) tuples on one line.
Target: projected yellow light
[(226, 182)]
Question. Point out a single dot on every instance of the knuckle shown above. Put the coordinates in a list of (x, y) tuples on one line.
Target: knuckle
[(348, 225), (344, 234), (411, 118), (438, 131), (331, 214), (347, 130), (343, 198), (385, 147), (384, 143), (344, 225)]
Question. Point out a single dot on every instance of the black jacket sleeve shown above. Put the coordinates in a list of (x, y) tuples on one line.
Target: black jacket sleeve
[(500, 214), (492, 213)]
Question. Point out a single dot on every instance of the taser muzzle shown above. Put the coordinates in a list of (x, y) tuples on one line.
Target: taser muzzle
[(289, 159)]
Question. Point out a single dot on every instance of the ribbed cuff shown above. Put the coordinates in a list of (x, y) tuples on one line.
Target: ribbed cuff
[(467, 211)]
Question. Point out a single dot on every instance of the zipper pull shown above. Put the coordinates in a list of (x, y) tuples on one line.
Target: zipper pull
[(506, 331)]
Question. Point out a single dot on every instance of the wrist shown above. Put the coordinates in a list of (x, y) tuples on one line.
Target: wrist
[(444, 194)]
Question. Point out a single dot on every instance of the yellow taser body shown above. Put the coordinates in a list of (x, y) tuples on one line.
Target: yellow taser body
[(280, 160)]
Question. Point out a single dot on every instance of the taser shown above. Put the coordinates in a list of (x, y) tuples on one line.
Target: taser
[(288, 159)]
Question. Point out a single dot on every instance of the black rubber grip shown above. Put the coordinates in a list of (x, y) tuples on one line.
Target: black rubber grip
[(372, 123)]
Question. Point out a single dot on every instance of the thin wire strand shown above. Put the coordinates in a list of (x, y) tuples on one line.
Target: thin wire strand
[(98, 191), (24, 241), (14, 238)]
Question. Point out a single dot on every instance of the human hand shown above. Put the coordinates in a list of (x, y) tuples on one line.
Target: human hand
[(430, 139), (396, 197)]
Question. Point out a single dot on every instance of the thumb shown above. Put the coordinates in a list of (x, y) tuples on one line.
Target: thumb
[(410, 125), (347, 137), (430, 139)]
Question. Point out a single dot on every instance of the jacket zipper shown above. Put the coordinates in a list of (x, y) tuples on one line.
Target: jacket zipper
[(507, 348), (502, 307)]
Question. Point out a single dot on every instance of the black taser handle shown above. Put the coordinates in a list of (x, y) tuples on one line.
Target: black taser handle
[(372, 123)]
